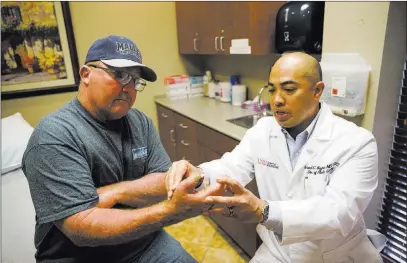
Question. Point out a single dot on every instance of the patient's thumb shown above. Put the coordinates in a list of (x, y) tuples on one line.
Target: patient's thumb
[(191, 182)]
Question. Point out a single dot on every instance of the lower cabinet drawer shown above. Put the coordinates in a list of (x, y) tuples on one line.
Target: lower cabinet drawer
[(186, 128), (214, 140), (165, 115), (188, 150)]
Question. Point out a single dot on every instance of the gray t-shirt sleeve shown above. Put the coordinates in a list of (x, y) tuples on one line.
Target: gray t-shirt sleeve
[(60, 182), (157, 158)]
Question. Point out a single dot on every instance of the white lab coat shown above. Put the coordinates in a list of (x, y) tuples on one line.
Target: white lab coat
[(322, 199)]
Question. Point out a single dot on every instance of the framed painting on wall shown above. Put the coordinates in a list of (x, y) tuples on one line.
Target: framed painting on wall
[(38, 51)]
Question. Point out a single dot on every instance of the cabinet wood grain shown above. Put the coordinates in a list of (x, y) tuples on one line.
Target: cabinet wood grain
[(209, 27)]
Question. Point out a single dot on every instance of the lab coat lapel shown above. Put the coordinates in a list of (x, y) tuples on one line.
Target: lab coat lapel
[(279, 144), (319, 137)]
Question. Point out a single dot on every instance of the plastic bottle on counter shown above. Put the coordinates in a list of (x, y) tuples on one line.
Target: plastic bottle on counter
[(211, 89), (234, 80), (217, 90), (239, 91), (206, 80), (211, 85), (225, 91)]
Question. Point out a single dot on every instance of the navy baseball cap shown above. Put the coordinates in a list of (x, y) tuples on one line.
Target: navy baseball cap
[(119, 52)]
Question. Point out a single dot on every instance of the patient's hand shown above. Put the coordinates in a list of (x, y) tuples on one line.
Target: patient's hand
[(186, 199), (179, 171)]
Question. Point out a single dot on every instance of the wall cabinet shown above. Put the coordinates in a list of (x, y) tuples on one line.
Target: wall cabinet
[(184, 138), (209, 27)]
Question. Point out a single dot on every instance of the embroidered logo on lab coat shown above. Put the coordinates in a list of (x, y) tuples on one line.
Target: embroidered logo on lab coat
[(139, 153), (267, 163)]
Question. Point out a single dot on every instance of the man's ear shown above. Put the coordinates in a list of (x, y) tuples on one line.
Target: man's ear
[(84, 72), (319, 88)]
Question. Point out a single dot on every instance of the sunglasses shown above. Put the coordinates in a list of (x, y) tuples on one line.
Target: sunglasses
[(124, 78)]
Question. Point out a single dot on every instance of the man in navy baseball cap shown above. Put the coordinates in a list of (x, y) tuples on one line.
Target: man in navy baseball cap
[(112, 76), (119, 52), (97, 170)]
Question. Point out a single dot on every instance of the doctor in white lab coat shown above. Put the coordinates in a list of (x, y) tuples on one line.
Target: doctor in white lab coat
[(315, 172)]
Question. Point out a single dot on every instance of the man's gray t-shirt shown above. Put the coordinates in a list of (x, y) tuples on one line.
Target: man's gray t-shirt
[(69, 155)]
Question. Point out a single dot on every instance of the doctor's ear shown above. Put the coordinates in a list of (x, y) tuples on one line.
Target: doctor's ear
[(319, 88)]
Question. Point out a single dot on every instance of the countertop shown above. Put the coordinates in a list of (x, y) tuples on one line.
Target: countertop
[(209, 112)]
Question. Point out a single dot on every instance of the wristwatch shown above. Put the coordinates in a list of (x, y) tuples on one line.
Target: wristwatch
[(265, 213)]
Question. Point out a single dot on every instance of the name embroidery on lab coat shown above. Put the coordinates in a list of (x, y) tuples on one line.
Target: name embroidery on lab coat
[(325, 169), (267, 163)]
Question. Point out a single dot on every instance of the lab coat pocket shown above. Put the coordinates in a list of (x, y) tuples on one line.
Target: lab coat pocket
[(341, 254), (315, 184), (365, 252)]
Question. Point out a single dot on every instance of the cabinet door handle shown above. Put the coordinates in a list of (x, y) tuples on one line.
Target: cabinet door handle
[(221, 43), (184, 143), (172, 135), (195, 48), (164, 115), (216, 44), (183, 126)]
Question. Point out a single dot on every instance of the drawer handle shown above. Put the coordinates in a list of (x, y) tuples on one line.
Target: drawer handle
[(195, 45), (183, 126), (172, 135), (184, 143), (164, 115)]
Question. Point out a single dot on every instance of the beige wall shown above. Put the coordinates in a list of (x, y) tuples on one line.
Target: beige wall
[(151, 25), (34, 108), (349, 27), (358, 27)]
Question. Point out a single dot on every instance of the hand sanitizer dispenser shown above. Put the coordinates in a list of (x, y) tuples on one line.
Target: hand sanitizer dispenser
[(346, 78)]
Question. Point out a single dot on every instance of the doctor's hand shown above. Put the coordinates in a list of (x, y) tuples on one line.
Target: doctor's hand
[(186, 201), (179, 171), (243, 205)]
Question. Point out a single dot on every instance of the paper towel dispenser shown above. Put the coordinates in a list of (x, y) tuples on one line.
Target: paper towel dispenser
[(299, 27)]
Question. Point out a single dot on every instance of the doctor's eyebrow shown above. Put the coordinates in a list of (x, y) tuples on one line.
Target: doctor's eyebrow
[(288, 82)]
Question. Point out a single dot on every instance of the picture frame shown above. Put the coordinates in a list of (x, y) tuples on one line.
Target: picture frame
[(63, 74)]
